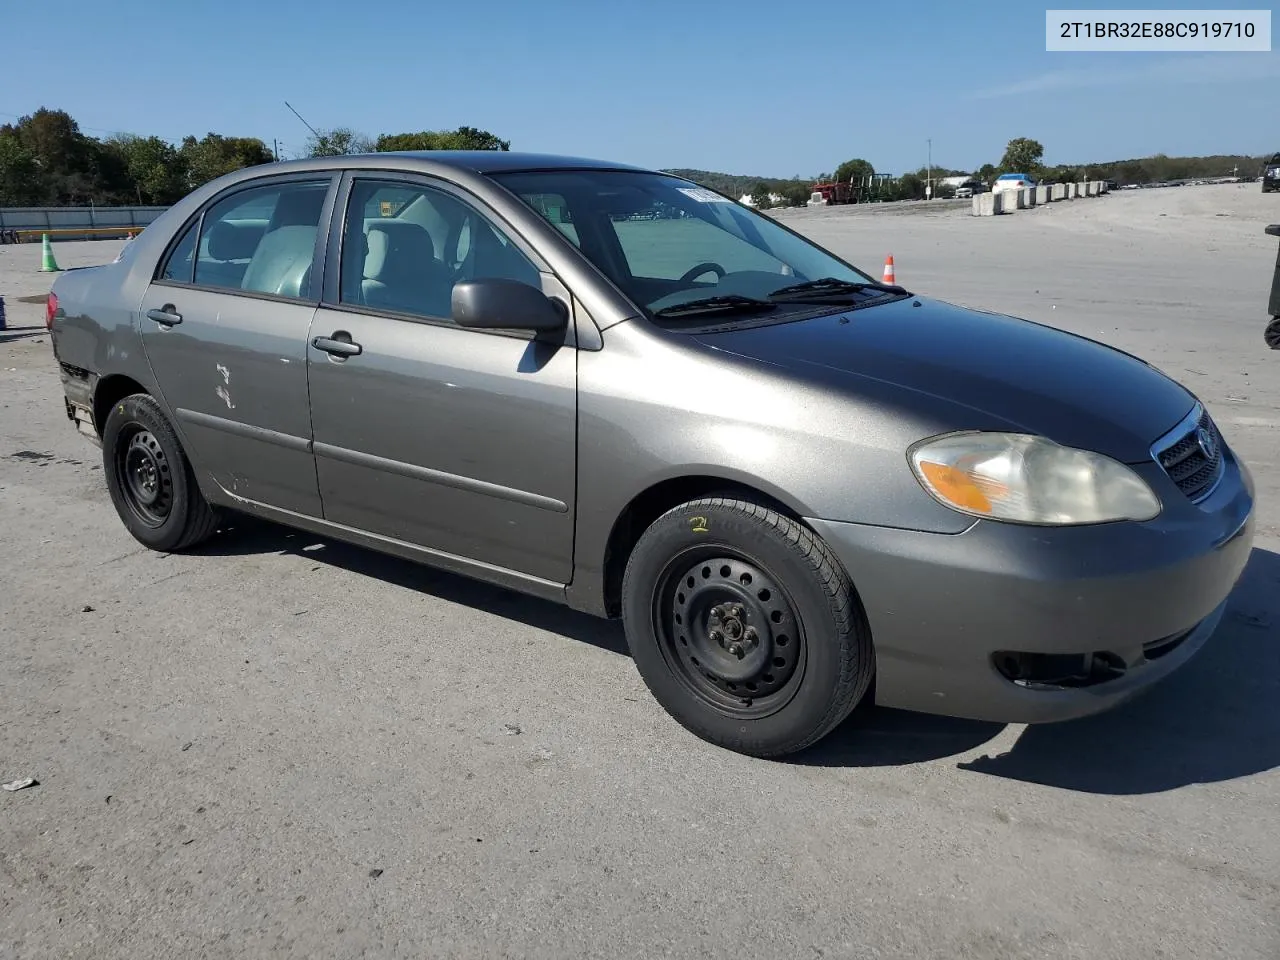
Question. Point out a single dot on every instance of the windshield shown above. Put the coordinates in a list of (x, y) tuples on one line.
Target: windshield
[(666, 242)]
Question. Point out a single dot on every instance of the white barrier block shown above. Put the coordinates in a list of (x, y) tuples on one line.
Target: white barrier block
[(986, 205), (1043, 194), (1030, 197), (1091, 188)]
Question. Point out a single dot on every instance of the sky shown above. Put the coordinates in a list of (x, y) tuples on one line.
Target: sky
[(744, 87)]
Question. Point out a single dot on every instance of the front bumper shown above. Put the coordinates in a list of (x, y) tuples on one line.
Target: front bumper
[(1145, 596)]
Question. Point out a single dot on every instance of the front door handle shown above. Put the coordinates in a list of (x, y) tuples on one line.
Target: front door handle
[(338, 345), (166, 316)]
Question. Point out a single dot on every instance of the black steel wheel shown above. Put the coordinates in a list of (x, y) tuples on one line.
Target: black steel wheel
[(1272, 333), (147, 475), (729, 631), (745, 627), (150, 479)]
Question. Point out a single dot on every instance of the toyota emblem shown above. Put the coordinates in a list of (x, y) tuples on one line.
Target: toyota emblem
[(1208, 443)]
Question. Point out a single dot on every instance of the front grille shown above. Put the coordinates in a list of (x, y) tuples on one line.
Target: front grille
[(1192, 468)]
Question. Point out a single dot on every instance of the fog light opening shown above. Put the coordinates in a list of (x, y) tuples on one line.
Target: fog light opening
[(1058, 671)]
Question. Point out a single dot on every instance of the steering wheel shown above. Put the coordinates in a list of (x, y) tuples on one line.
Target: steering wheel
[(702, 268)]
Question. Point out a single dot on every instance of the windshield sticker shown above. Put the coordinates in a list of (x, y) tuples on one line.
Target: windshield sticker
[(702, 195)]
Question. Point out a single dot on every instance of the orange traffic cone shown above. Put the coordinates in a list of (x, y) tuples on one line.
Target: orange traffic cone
[(889, 276)]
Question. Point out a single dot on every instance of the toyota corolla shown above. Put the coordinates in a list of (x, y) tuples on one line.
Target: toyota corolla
[(615, 389)]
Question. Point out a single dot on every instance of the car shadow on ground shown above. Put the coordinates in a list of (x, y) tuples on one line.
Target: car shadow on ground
[(248, 535), (1215, 719), (19, 333)]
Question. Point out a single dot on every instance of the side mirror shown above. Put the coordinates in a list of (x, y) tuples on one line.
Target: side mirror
[(493, 304)]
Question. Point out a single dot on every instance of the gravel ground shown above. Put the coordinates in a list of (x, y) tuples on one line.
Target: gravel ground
[(291, 747)]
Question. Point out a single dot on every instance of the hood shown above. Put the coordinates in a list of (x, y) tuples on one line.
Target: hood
[(1038, 379)]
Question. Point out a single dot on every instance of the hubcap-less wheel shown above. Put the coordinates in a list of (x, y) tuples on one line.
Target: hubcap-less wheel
[(730, 632), (1272, 333), (148, 484)]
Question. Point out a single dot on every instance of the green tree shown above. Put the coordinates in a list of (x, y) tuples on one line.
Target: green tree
[(760, 197), (464, 138), (338, 142), (214, 155), (155, 170), (856, 169), (1022, 155), (796, 194), (19, 172), (910, 186)]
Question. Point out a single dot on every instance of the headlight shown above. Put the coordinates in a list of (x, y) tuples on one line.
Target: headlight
[(1025, 479)]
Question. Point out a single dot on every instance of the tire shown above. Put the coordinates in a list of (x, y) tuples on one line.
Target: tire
[(150, 479), (1272, 334), (770, 678)]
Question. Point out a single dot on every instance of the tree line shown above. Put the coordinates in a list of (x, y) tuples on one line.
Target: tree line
[(46, 160)]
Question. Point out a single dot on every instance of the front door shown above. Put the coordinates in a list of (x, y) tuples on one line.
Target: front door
[(462, 441), (224, 326)]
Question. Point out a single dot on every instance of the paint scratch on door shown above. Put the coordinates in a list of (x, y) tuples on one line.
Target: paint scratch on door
[(225, 396), (226, 374)]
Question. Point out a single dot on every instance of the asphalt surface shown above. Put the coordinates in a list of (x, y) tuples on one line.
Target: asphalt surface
[(284, 746)]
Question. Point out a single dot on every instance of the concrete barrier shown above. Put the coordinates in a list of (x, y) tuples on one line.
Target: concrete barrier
[(1043, 194), (1058, 191), (1030, 197), (1091, 188), (987, 205)]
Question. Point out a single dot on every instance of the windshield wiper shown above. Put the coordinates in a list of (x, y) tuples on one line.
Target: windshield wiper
[(728, 303), (827, 287)]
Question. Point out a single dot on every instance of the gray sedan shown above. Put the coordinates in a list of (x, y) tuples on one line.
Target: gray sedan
[(609, 387)]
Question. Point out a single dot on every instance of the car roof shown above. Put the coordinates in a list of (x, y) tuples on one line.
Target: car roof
[(472, 161)]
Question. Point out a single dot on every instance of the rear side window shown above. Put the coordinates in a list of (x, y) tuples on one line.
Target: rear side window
[(262, 240)]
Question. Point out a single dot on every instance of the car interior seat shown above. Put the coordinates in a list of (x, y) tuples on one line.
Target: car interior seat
[(401, 271), (282, 262)]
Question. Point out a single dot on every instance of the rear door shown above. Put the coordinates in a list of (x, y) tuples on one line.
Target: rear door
[(462, 441), (224, 326)]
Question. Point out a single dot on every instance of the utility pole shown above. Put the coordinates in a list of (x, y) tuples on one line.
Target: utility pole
[(928, 189), (275, 149)]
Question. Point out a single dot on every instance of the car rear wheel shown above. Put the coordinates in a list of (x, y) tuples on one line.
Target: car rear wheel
[(745, 627), (150, 479)]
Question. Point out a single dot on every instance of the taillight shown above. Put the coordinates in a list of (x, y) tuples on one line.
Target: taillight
[(50, 308)]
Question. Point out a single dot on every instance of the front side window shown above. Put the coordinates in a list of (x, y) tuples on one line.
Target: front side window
[(666, 242), (405, 246), (262, 239)]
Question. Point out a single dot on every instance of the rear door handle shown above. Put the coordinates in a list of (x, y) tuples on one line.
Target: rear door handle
[(167, 315), (339, 345)]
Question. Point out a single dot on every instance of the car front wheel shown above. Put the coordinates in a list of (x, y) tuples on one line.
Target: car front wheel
[(745, 627), (151, 482)]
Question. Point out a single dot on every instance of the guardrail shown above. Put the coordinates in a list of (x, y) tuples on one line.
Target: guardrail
[(68, 233), (67, 223)]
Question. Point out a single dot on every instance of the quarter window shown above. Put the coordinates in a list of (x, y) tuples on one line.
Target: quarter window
[(181, 258), (405, 246), (262, 240)]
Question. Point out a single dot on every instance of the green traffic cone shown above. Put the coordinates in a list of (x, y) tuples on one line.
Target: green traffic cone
[(48, 264)]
